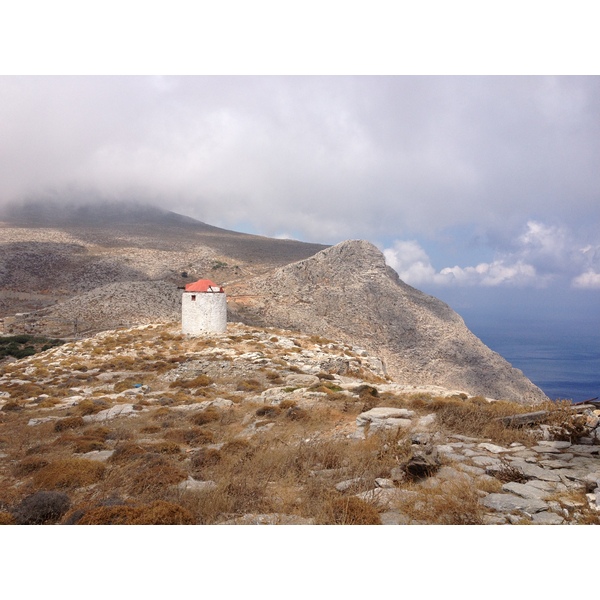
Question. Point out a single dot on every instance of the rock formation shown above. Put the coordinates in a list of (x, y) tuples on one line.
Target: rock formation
[(347, 292)]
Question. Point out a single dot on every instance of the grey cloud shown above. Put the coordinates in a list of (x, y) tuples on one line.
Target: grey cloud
[(325, 157)]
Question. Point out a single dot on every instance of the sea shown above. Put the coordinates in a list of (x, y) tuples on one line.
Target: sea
[(554, 342), (563, 363)]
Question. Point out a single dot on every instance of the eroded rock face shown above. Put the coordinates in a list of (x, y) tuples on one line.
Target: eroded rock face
[(348, 292)]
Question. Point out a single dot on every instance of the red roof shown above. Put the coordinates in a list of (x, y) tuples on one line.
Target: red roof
[(203, 285)]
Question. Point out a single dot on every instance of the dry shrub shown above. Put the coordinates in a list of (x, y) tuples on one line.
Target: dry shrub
[(204, 458), (237, 448), (126, 451), (69, 473), (192, 436), (154, 472), (158, 512), (11, 406), (125, 384), (246, 494), (90, 407), (268, 411), (285, 404), (41, 508), (206, 416), (478, 418), (563, 424), (85, 444), (249, 385), (296, 413), (352, 511), (273, 376), (68, 423), (92, 439), (166, 447), (508, 473), (21, 391), (151, 429), (6, 518), (200, 381), (454, 503), (29, 465), (38, 449)]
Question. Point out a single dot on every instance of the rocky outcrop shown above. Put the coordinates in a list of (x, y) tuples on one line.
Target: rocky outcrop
[(347, 292)]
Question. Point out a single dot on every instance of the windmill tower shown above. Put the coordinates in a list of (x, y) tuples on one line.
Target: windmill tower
[(203, 308)]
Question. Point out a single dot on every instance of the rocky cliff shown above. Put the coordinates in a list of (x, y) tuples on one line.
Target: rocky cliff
[(349, 293)]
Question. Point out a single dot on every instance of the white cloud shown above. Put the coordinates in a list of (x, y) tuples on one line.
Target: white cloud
[(491, 274), (588, 280), (411, 262), (540, 255)]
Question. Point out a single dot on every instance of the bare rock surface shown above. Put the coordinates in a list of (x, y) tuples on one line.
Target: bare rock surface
[(347, 292)]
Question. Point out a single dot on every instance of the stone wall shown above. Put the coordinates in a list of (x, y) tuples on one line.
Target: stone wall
[(207, 313)]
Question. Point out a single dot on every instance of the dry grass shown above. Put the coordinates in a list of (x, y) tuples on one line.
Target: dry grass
[(352, 511), (454, 503), (6, 518), (158, 512), (477, 417), (290, 467), (68, 423), (68, 473)]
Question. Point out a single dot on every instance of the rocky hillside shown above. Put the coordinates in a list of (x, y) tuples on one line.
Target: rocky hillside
[(264, 425), (74, 249), (349, 293), (94, 269)]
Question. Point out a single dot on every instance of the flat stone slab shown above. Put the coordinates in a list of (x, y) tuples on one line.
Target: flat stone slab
[(383, 412), (492, 448), (382, 482), (555, 444), (426, 421), (535, 472), (555, 464), (118, 410), (547, 518), (584, 449), (344, 486), (40, 420), (546, 450), (476, 471), (452, 456), (299, 380), (391, 424), (512, 502), (486, 461), (524, 490), (195, 486)]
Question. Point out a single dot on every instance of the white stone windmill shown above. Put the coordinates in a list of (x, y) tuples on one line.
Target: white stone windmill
[(203, 308)]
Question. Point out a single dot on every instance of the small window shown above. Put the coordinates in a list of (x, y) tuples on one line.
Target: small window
[(193, 297)]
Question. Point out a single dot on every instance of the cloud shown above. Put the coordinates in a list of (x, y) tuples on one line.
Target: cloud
[(411, 263), (492, 274), (336, 157), (588, 280), (540, 255)]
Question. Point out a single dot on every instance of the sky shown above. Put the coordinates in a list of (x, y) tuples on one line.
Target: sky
[(462, 181)]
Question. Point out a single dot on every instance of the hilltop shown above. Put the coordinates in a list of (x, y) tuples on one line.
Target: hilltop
[(264, 425), (81, 269)]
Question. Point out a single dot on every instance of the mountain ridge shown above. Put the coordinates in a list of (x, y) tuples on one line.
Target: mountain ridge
[(346, 291)]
